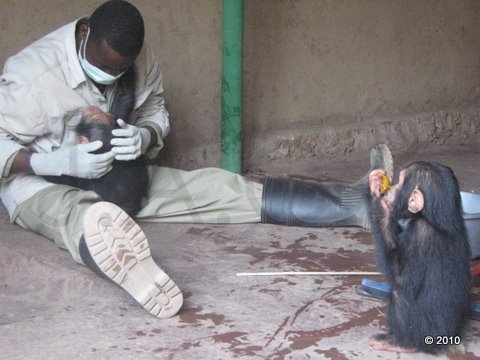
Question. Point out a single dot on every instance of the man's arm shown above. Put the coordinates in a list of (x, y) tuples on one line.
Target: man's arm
[(151, 105), (151, 115), (21, 163), (9, 151), (153, 135)]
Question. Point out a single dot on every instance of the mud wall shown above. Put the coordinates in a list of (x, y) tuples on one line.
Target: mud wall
[(321, 77)]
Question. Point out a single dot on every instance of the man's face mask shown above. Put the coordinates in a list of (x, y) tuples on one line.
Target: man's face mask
[(94, 73)]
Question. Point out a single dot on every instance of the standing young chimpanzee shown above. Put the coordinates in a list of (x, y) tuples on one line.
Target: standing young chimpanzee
[(126, 184), (423, 252)]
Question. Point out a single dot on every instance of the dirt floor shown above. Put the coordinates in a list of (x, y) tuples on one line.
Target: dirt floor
[(52, 308)]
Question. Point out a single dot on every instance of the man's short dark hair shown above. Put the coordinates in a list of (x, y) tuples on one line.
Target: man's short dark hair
[(120, 24)]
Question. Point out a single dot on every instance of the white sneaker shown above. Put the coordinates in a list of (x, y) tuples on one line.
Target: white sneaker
[(120, 249)]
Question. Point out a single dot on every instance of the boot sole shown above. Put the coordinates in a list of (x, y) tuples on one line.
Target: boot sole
[(120, 249)]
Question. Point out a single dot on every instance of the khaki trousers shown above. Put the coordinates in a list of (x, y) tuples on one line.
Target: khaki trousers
[(207, 195)]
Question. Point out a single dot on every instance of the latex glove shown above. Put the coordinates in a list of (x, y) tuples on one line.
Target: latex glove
[(74, 161), (130, 141)]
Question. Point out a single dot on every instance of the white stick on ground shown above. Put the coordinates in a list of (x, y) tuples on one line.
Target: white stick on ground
[(324, 273)]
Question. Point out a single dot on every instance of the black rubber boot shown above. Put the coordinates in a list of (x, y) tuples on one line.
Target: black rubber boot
[(308, 203), (88, 260), (296, 202)]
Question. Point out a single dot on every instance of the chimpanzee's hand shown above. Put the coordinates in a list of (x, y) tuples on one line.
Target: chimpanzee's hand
[(130, 141), (374, 182)]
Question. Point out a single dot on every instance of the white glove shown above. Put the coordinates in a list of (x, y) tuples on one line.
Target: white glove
[(130, 141), (74, 161)]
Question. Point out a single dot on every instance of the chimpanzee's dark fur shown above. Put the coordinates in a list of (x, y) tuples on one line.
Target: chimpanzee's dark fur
[(425, 257), (126, 184)]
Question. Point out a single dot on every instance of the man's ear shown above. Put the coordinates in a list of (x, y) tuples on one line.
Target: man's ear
[(81, 140), (83, 31), (416, 201)]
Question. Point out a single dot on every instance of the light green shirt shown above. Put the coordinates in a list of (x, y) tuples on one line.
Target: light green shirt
[(43, 90)]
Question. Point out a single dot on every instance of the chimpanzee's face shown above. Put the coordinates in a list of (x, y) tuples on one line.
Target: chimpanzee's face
[(391, 194), (403, 203)]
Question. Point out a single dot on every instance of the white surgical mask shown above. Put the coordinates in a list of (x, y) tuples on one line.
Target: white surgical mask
[(94, 73)]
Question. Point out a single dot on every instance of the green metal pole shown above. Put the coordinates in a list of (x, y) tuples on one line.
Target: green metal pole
[(232, 61)]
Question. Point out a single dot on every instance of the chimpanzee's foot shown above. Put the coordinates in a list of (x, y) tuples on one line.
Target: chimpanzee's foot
[(384, 342), (380, 158), (120, 250)]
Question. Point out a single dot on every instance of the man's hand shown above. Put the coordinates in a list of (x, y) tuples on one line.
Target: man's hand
[(75, 161), (130, 141)]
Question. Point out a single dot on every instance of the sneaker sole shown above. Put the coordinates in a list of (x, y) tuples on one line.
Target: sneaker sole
[(120, 249)]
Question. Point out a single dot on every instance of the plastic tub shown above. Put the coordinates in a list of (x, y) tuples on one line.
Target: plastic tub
[(471, 215)]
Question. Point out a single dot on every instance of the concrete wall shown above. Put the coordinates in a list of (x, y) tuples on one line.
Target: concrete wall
[(322, 78), (329, 77)]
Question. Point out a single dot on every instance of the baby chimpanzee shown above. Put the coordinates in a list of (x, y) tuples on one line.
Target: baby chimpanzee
[(423, 252), (126, 184)]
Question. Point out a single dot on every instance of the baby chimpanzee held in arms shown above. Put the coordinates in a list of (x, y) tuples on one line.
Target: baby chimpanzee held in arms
[(423, 252), (126, 184)]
